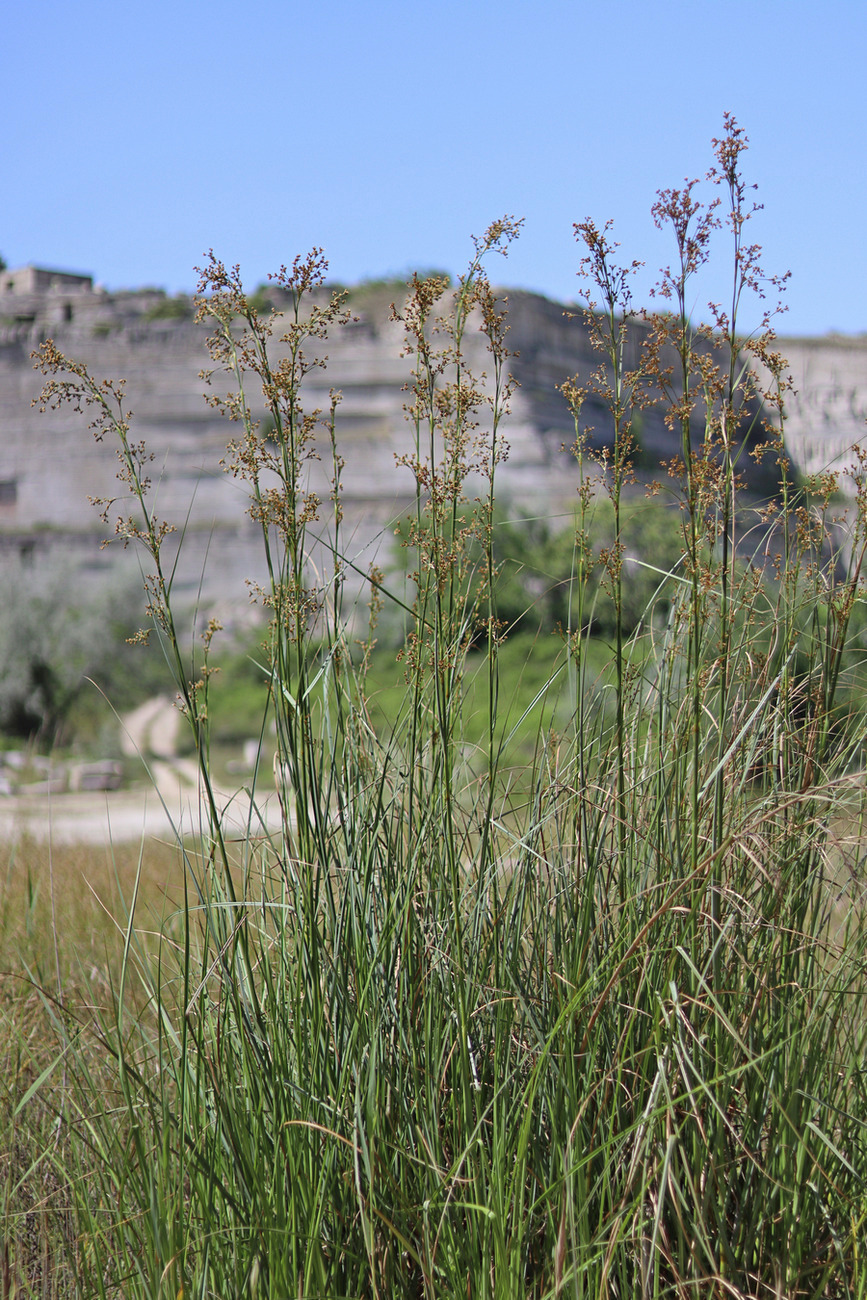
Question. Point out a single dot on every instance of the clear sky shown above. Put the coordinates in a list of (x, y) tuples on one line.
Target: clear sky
[(137, 136)]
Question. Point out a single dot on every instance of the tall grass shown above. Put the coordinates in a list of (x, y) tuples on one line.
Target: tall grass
[(595, 1033)]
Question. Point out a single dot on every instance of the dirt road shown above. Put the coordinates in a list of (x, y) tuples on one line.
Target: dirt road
[(169, 801)]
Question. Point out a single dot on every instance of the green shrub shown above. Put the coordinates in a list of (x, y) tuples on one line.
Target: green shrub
[(535, 566), (60, 647), (261, 300), (177, 308)]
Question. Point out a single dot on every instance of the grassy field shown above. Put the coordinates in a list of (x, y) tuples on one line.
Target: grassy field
[(552, 980), (62, 919)]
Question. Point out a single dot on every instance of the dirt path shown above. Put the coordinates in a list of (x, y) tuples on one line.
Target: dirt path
[(168, 803), (153, 727)]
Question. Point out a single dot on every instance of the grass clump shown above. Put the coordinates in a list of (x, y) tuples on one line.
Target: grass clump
[(594, 1032)]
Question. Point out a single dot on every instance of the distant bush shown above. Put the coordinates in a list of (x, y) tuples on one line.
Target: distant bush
[(177, 308), (262, 299), (394, 284), (53, 638), (651, 535), (535, 566)]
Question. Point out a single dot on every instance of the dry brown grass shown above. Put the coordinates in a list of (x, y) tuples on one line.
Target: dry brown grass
[(62, 912)]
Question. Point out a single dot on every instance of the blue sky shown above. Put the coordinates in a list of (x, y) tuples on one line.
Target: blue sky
[(137, 136)]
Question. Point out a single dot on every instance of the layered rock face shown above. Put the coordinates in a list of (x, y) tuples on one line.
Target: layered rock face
[(826, 413), (50, 464)]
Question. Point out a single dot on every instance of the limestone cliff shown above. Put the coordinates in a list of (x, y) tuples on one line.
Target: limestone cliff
[(50, 465)]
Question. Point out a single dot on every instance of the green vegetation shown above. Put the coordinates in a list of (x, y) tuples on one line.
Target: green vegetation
[(594, 1030), (178, 308), (394, 284), (261, 300), (60, 647)]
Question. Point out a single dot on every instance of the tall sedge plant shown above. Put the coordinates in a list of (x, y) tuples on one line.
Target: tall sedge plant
[(619, 388), (599, 1035)]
